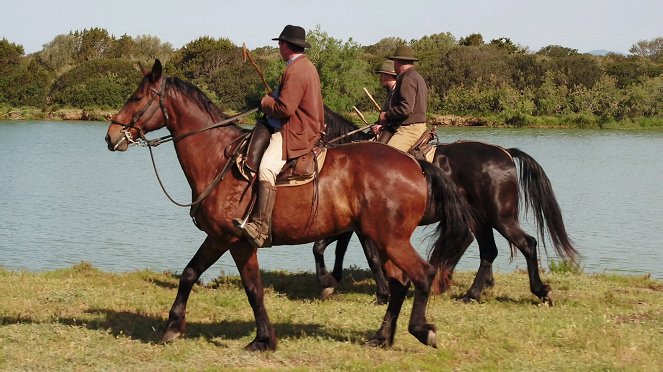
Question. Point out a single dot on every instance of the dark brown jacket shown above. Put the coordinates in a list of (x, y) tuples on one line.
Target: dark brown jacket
[(408, 103), (300, 105)]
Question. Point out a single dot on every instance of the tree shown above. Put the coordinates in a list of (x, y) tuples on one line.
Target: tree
[(631, 69), (506, 44), (557, 51), (97, 83), (471, 40), (648, 48), (343, 71), (579, 69), (477, 64), (95, 43), (59, 55), (10, 55), (215, 66)]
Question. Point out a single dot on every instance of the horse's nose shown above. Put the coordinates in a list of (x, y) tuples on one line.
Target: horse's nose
[(109, 143)]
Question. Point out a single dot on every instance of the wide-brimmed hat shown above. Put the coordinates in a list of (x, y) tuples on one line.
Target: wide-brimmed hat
[(387, 68), (294, 35), (404, 53)]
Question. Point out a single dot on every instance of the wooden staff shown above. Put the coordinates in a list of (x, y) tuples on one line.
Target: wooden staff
[(361, 116), (246, 55), (372, 100)]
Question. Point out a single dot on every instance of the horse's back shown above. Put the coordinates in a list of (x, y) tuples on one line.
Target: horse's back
[(358, 182), (485, 173)]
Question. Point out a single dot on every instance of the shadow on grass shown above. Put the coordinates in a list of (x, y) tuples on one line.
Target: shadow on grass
[(149, 328), (304, 286)]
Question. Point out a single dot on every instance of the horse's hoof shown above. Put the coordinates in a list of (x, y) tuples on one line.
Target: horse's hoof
[(432, 339), (547, 301), (169, 336), (376, 343), (469, 298), (260, 346), (326, 293)]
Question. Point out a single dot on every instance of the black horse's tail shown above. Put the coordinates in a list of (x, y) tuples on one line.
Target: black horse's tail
[(453, 232), (539, 196)]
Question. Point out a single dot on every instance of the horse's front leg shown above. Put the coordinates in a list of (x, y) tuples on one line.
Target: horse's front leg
[(208, 253), (246, 260)]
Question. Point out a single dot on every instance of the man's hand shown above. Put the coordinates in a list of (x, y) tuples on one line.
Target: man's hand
[(376, 128), (265, 100)]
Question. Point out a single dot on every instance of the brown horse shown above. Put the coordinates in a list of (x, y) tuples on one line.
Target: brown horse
[(486, 176), (352, 193)]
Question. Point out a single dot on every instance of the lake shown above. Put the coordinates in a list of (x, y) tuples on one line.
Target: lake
[(65, 199)]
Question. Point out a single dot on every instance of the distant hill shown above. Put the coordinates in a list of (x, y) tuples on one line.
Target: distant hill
[(600, 52)]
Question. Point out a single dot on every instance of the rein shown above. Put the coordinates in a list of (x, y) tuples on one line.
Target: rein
[(143, 141)]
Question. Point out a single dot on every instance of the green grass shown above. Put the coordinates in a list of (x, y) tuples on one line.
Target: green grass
[(85, 319)]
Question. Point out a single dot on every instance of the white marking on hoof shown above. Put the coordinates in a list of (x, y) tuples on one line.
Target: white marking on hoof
[(432, 339), (326, 293)]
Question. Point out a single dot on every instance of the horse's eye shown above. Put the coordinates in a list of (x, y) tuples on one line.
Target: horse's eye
[(135, 98)]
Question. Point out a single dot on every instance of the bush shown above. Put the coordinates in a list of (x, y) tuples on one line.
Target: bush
[(98, 83)]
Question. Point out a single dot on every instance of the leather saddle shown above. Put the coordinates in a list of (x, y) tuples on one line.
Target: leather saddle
[(296, 171)]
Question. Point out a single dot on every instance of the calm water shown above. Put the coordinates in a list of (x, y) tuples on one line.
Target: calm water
[(65, 199)]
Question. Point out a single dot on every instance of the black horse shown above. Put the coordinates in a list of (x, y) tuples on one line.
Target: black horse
[(486, 176)]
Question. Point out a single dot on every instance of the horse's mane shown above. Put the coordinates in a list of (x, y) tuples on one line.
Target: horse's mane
[(199, 97), (337, 125)]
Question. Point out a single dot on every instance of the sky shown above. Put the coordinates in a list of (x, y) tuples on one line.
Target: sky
[(585, 25)]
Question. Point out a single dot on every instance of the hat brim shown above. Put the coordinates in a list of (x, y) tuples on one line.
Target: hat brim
[(297, 42), (403, 58), (386, 72)]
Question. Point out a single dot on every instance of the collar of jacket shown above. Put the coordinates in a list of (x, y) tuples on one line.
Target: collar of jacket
[(293, 59)]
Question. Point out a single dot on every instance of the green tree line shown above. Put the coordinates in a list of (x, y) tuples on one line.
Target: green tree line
[(497, 80)]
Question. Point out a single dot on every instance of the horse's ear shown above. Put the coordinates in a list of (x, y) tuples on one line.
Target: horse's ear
[(140, 68), (156, 71)]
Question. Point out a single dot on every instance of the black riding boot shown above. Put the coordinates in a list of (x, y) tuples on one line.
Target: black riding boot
[(257, 146), (385, 135), (258, 230)]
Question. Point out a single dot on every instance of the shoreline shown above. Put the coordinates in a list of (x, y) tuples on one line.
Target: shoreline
[(518, 121)]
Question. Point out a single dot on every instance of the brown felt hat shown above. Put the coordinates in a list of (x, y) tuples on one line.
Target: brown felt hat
[(387, 68), (404, 53), (294, 35)]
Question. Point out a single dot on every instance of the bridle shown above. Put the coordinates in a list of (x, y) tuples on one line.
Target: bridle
[(144, 142), (139, 114)]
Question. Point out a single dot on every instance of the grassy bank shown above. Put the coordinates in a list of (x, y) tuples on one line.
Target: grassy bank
[(82, 318)]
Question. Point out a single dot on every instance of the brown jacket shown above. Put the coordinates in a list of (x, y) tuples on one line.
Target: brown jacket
[(299, 104), (408, 103)]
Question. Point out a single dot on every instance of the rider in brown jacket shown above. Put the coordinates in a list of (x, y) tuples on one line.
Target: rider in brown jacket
[(295, 123), (407, 112)]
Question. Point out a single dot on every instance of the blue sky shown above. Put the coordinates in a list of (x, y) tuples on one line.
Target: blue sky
[(580, 24)]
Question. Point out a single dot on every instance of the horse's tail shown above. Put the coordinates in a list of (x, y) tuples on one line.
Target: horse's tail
[(539, 196), (453, 232)]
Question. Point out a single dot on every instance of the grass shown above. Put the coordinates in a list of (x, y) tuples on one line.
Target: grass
[(85, 319)]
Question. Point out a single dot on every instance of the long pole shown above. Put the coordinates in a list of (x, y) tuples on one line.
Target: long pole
[(246, 55), (372, 99)]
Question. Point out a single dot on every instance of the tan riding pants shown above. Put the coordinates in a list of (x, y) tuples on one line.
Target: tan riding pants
[(407, 135), (272, 161)]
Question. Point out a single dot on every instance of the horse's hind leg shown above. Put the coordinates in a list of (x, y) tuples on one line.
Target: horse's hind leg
[(488, 253), (403, 264), (398, 286), (206, 256), (374, 262), (324, 278), (246, 260), (527, 246)]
